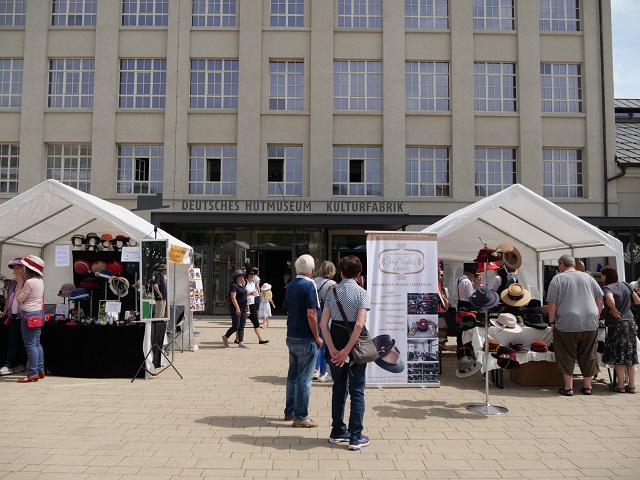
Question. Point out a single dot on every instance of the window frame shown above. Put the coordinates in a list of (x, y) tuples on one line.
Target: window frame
[(77, 176), (199, 182), (507, 82), (227, 70), (136, 79), (290, 183), (492, 157), (550, 81), (419, 79), (13, 85), (291, 78), (9, 168), (423, 168), (289, 12), (361, 80), (355, 16), (419, 17), (552, 168), (17, 18), (371, 184), (225, 13), (61, 15), (128, 159), (548, 23), (497, 22), (157, 18), (81, 89)]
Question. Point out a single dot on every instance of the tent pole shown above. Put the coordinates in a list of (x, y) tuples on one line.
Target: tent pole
[(173, 297)]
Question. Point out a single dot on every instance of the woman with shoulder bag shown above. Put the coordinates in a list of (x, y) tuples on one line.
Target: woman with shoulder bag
[(30, 297), (348, 376), (620, 348)]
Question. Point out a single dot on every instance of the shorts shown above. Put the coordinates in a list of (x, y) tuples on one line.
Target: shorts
[(570, 347)]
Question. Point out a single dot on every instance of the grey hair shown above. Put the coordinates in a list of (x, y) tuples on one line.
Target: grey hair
[(305, 265), (567, 261), (327, 269)]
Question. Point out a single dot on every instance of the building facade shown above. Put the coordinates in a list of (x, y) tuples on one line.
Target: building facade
[(274, 128)]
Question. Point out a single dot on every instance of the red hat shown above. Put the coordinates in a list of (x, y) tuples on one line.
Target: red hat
[(90, 283), (116, 267), (34, 263), (106, 236), (82, 267)]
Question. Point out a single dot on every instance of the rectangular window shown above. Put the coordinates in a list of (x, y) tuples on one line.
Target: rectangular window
[(70, 164), (213, 169), (74, 12), (287, 13), (427, 172), (561, 173), (214, 13), (286, 85), (357, 171), (493, 15), (11, 82), (357, 85), (143, 82), (426, 86), (426, 14), (561, 87), (9, 167), (495, 170), (494, 87), (559, 15), (214, 83), (360, 13), (284, 170), (71, 83), (140, 169), (13, 13), (145, 13)]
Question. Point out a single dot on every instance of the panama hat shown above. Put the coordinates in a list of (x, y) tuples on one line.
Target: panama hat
[(467, 366), (515, 295), (484, 298), (162, 266), (508, 255), (508, 322), (33, 263)]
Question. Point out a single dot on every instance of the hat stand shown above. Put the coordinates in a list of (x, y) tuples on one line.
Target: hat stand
[(486, 408)]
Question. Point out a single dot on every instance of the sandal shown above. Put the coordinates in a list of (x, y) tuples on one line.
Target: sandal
[(587, 390), (616, 389), (629, 389), (566, 391)]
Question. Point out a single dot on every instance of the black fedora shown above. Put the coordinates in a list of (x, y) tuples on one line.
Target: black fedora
[(535, 320)]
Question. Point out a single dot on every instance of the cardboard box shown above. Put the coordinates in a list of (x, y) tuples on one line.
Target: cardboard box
[(536, 373)]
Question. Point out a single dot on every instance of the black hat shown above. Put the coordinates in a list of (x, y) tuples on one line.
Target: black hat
[(535, 320), (484, 298), (470, 267)]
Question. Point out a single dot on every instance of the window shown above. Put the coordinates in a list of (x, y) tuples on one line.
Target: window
[(145, 13), (426, 14), (426, 86), (214, 13), (143, 83), (284, 170), (427, 172), (70, 164), (71, 83), (494, 87), (559, 15), (9, 163), (360, 13), (493, 15), (286, 86), (13, 13), (357, 171), (11, 82), (560, 87), (287, 13), (561, 173), (495, 170), (214, 83), (213, 169), (357, 85), (74, 12), (140, 169)]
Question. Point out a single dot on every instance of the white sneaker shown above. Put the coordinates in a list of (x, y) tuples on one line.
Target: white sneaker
[(316, 374), (19, 369), (325, 378), (6, 371)]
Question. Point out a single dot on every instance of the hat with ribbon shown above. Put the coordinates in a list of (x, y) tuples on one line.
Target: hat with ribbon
[(508, 255), (121, 238), (506, 357), (106, 236), (82, 267), (66, 289), (535, 320), (16, 262), (389, 357), (79, 238), (265, 286), (33, 263), (162, 266), (106, 274), (515, 295), (484, 298), (467, 366), (119, 286), (508, 322), (79, 294), (90, 283), (92, 239)]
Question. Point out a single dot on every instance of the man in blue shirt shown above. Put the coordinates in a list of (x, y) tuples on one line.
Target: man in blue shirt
[(303, 341)]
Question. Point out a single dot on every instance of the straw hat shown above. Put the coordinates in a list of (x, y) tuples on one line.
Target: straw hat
[(516, 295), (34, 263)]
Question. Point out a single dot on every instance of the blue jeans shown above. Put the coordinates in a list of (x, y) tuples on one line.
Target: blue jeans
[(350, 379), (321, 361), (302, 359), (31, 337), (237, 323)]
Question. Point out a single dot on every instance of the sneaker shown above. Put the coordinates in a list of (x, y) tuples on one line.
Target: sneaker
[(358, 443), (316, 374), (306, 423), (340, 437), (19, 369), (6, 371), (325, 378)]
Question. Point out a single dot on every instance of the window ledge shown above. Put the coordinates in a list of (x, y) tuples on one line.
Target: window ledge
[(146, 28), (303, 113), (72, 27), (68, 110), (212, 110), (563, 114), (356, 30), (496, 32), (358, 112), (214, 29), (140, 110), (269, 28), (427, 30), (562, 33), (496, 114), (421, 113)]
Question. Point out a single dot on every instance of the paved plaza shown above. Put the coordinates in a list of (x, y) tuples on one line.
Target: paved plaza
[(224, 420)]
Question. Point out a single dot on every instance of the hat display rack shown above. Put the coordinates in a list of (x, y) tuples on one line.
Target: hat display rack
[(486, 408)]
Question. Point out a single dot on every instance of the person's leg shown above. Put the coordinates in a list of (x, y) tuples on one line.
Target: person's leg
[(243, 321), (620, 371), (235, 324), (306, 351), (564, 346), (29, 337), (587, 357), (40, 352), (291, 382), (13, 337), (356, 392), (340, 377), (631, 373)]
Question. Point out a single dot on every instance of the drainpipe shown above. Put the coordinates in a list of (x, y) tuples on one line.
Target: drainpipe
[(604, 116)]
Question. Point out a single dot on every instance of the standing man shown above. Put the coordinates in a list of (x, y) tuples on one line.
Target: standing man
[(303, 341), (465, 286), (160, 291), (574, 303)]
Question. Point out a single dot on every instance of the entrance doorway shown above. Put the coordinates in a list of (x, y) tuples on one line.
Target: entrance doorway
[(202, 259), (361, 254), (276, 268)]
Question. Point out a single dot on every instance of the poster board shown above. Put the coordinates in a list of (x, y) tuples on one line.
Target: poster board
[(196, 292), (402, 282)]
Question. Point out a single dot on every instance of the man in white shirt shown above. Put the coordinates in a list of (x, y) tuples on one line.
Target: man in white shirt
[(464, 287)]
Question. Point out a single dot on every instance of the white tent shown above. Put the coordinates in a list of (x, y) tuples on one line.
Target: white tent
[(539, 229), (46, 215)]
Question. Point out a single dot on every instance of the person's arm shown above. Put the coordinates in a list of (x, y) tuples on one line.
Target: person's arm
[(156, 288), (611, 303), (341, 356), (600, 305), (551, 310), (326, 333), (235, 301), (635, 298), (312, 318)]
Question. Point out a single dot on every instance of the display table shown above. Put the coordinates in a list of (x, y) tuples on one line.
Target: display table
[(97, 351)]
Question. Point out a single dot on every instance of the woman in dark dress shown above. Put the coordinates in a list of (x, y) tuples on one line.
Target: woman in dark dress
[(237, 309), (620, 348)]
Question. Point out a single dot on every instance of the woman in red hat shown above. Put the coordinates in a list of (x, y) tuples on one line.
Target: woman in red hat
[(16, 357)]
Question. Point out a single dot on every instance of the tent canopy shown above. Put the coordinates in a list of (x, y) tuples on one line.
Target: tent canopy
[(539, 229), (51, 212)]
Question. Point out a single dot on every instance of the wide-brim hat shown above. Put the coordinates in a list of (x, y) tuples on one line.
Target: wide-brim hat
[(122, 238), (515, 295), (535, 320), (79, 294), (162, 266), (265, 286), (33, 263), (90, 283), (384, 344), (98, 266), (66, 289), (490, 266), (484, 298), (119, 286), (238, 273), (509, 256), (506, 357), (77, 235), (82, 267), (16, 262), (508, 322), (390, 367), (467, 366)]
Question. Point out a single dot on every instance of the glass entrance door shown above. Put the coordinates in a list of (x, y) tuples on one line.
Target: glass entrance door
[(201, 260), (276, 268)]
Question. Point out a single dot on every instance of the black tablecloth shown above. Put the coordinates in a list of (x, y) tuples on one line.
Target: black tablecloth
[(97, 351)]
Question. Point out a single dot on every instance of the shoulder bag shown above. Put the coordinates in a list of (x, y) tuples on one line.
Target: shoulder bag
[(36, 321), (635, 309), (364, 351)]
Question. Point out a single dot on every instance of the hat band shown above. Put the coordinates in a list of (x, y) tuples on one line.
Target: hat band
[(515, 297), (33, 264), (506, 326)]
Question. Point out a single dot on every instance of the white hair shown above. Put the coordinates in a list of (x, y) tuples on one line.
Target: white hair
[(305, 265)]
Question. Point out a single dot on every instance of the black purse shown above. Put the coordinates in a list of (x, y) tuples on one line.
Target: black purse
[(635, 309), (364, 351)]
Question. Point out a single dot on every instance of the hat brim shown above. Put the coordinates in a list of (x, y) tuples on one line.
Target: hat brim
[(516, 329), (390, 367), (539, 326), (512, 251), (387, 348), (470, 371), (488, 306)]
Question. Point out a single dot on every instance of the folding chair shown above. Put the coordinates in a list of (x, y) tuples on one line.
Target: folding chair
[(176, 317)]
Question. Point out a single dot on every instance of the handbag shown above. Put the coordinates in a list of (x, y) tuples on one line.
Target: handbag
[(364, 351), (635, 309), (34, 321)]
